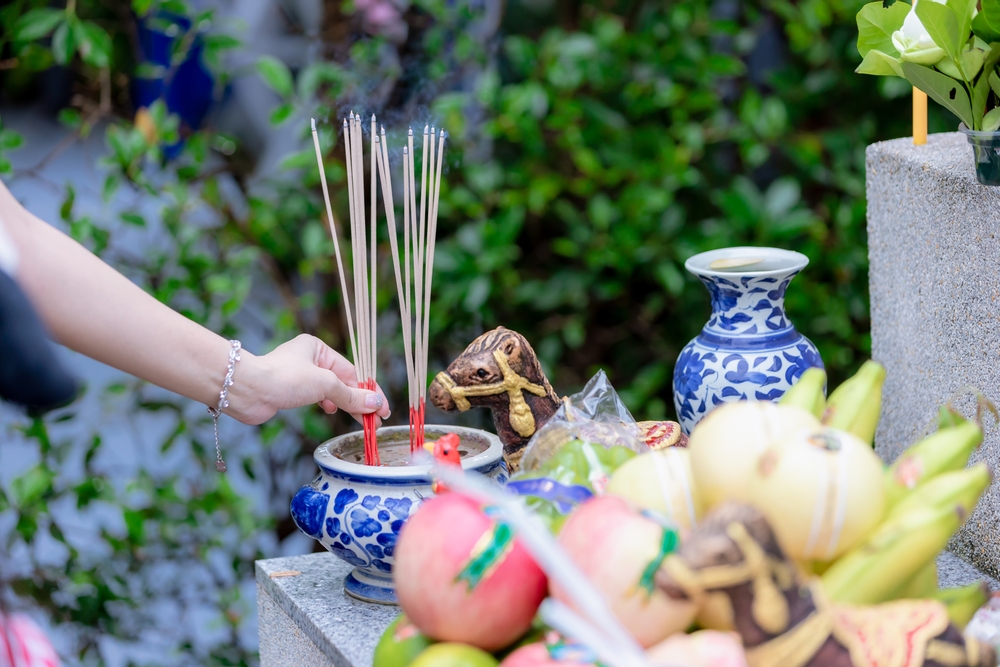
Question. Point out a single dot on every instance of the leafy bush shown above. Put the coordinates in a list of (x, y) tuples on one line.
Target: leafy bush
[(594, 147)]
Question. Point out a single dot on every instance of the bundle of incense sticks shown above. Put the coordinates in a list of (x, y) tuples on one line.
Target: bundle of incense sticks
[(363, 346), (413, 282), (414, 286)]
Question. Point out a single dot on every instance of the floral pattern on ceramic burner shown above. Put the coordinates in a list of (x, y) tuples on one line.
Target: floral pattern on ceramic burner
[(748, 349), (358, 511)]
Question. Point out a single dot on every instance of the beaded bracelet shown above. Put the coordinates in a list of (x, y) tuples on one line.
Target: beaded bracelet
[(234, 356)]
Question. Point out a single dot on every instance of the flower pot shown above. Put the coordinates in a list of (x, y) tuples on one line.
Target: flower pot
[(749, 348), (356, 511), (986, 148)]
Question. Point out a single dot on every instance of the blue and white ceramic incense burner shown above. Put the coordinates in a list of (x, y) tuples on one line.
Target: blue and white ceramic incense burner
[(356, 511), (748, 349)]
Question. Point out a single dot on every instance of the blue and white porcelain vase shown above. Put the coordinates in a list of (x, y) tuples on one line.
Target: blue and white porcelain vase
[(748, 349), (356, 511)]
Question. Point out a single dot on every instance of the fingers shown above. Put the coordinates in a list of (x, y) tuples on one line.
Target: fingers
[(382, 412), (353, 400), (326, 357), (342, 389)]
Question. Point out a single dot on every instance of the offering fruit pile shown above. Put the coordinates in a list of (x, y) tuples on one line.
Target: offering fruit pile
[(854, 531)]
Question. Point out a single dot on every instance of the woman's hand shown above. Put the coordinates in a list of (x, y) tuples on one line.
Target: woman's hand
[(302, 371)]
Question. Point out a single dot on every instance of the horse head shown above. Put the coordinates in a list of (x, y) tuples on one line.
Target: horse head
[(734, 552), (500, 371)]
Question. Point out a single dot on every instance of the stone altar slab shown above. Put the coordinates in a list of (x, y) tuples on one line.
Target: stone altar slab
[(306, 620), (934, 271)]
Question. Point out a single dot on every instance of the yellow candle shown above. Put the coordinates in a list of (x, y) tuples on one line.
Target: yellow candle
[(919, 117)]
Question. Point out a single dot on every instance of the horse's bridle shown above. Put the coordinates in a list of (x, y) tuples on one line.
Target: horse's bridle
[(770, 608), (521, 418)]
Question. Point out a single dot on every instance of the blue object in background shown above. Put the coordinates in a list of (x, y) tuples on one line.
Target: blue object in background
[(188, 90)]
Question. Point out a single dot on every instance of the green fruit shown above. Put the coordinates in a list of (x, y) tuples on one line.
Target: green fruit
[(400, 644), (454, 655)]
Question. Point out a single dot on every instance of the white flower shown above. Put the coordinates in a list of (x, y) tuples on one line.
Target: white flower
[(914, 43)]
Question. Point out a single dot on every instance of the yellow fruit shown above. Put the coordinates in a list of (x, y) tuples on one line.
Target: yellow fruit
[(726, 444), (897, 550), (947, 450), (400, 644), (963, 602), (808, 392), (923, 585), (454, 655), (821, 491), (660, 481), (855, 406)]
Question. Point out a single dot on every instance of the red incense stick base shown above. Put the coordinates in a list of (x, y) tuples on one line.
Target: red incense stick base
[(368, 423)]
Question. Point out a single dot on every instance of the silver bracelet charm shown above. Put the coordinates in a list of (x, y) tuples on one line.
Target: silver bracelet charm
[(234, 356)]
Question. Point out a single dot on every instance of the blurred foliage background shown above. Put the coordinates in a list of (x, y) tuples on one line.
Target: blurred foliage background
[(594, 146)]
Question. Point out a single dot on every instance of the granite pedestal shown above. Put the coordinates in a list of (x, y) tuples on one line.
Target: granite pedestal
[(306, 619), (934, 270)]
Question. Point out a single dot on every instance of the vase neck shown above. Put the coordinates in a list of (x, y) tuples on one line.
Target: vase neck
[(748, 306)]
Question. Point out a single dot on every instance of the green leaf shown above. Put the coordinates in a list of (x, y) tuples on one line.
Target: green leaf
[(972, 62), (964, 9), (942, 89), (5, 166), (282, 113), (9, 140), (982, 28), (141, 7), (220, 42), (30, 487), (133, 219), (879, 64), (876, 25), (135, 524), (990, 16), (37, 23), (942, 25), (276, 75), (111, 183), (95, 44), (981, 91), (995, 83), (66, 210), (991, 121), (64, 43), (70, 117)]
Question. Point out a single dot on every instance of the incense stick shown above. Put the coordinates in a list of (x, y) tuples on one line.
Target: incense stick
[(390, 213), (432, 237), (413, 277), (336, 242)]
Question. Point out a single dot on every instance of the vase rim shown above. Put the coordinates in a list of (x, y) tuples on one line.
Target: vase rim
[(790, 261), (325, 459)]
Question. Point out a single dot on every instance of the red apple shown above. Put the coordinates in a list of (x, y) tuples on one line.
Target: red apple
[(614, 544), (440, 588)]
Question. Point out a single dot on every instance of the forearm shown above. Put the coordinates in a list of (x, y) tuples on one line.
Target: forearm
[(92, 309)]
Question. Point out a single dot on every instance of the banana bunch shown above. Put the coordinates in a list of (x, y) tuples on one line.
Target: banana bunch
[(854, 406), (930, 493)]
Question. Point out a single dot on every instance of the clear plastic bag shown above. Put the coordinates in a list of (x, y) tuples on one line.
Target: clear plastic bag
[(596, 415), (571, 457)]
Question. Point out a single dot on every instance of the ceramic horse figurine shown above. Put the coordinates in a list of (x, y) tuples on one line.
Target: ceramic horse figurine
[(500, 371), (786, 622)]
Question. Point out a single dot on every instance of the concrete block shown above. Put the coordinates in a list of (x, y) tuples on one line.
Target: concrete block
[(934, 270)]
